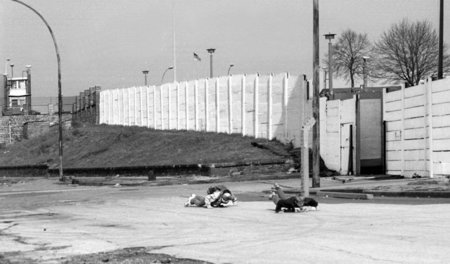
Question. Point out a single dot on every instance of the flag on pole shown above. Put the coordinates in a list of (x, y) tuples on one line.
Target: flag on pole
[(196, 57)]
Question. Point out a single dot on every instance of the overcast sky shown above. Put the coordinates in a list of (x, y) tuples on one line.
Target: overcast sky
[(110, 42)]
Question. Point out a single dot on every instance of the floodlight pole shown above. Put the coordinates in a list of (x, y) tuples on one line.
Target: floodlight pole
[(58, 59), (330, 36), (365, 58), (229, 68), (164, 74), (145, 72), (12, 70), (211, 52)]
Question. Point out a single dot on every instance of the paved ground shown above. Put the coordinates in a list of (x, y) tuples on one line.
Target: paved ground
[(43, 222)]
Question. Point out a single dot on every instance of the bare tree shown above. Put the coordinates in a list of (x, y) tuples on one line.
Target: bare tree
[(349, 50), (409, 52)]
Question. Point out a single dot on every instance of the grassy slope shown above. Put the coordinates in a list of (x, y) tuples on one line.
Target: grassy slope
[(110, 146)]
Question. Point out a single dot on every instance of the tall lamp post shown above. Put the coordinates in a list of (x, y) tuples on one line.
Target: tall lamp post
[(164, 74), (145, 72), (58, 60), (229, 68), (6, 67), (12, 70), (365, 58), (330, 36), (211, 51), (325, 73)]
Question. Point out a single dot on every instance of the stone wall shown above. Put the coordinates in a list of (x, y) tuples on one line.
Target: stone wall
[(17, 127)]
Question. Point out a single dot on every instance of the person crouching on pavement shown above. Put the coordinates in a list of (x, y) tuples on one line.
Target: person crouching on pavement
[(217, 196)]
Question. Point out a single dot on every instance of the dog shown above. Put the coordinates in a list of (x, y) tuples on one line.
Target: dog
[(290, 204), (307, 201), (293, 203)]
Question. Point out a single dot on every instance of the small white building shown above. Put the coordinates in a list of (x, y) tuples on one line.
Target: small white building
[(17, 94)]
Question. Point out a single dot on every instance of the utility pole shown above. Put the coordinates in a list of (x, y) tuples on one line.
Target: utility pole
[(316, 112), (441, 41)]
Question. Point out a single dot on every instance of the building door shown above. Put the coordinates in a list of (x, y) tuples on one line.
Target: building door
[(346, 149)]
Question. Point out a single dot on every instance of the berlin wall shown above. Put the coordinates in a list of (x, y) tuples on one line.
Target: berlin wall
[(418, 129), (266, 106)]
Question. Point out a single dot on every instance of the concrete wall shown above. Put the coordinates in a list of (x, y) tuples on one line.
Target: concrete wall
[(418, 129), (336, 116), (269, 106)]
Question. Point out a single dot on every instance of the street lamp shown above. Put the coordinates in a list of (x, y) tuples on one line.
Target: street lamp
[(365, 58), (164, 74), (58, 60), (229, 68), (145, 72), (330, 36), (325, 73), (211, 51), (12, 70), (6, 67)]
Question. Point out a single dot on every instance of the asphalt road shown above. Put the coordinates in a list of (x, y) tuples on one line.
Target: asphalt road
[(45, 223)]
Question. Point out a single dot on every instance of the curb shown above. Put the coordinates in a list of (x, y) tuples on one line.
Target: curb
[(414, 194), (347, 195)]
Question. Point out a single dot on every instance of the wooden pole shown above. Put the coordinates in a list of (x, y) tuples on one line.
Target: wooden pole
[(441, 40), (316, 112)]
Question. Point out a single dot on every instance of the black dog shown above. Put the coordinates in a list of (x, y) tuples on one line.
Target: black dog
[(294, 202), (289, 204), (310, 202)]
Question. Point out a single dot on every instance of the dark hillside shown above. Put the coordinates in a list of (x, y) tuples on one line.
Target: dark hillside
[(112, 146)]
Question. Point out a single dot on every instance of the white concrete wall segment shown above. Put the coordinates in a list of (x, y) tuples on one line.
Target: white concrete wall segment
[(440, 124), (335, 114), (266, 106), (330, 133), (418, 129)]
